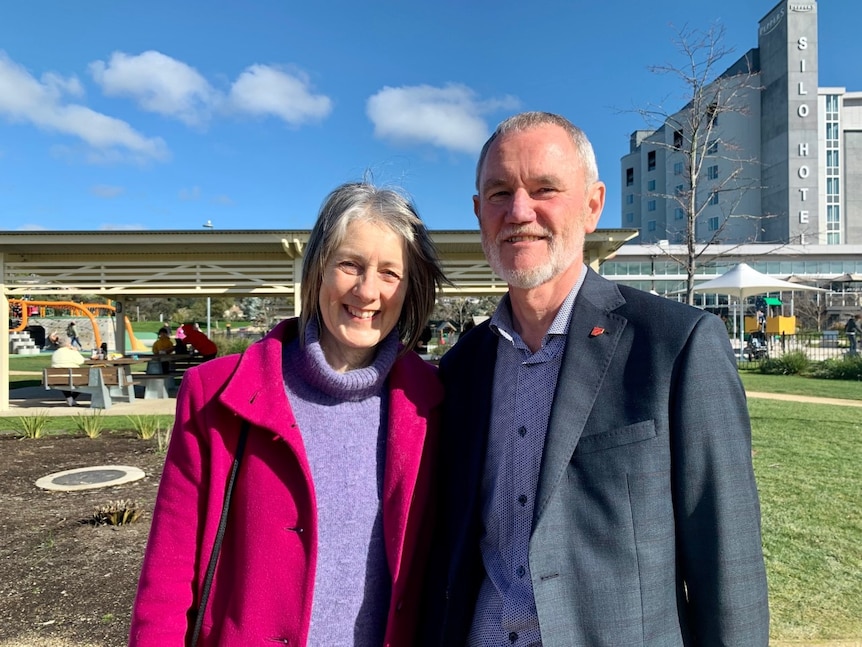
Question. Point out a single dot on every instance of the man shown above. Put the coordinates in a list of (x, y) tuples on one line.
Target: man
[(598, 485), (851, 329)]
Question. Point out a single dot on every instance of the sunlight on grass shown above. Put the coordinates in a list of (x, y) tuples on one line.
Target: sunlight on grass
[(807, 460), (794, 384)]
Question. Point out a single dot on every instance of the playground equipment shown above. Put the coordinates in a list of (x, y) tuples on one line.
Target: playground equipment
[(38, 308)]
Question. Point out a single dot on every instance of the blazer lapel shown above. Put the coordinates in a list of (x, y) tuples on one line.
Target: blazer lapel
[(594, 332)]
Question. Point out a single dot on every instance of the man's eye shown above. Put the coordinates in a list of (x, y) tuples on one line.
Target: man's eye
[(498, 195)]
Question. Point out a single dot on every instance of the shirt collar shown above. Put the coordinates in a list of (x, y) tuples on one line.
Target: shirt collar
[(501, 322)]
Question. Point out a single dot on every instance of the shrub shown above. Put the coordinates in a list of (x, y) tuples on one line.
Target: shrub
[(163, 438), (32, 426), (91, 424), (788, 364), (845, 368), (116, 513), (145, 426), (232, 345)]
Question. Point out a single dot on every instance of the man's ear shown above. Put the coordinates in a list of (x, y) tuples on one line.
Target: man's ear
[(595, 204), (476, 205)]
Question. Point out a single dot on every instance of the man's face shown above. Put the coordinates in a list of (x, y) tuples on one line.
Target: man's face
[(534, 208)]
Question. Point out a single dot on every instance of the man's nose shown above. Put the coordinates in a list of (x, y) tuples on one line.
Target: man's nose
[(521, 207)]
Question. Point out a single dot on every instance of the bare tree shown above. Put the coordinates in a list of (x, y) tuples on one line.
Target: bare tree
[(694, 138)]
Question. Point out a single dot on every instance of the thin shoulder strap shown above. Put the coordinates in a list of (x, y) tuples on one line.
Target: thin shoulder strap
[(222, 525)]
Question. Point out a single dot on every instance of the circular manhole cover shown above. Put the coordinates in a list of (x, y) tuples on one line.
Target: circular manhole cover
[(86, 478)]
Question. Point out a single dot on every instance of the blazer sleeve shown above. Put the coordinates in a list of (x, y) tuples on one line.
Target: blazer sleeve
[(715, 495), (163, 607)]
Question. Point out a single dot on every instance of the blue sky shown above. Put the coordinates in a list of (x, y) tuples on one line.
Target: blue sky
[(165, 115)]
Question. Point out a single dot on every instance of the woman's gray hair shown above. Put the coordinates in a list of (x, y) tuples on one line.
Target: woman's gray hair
[(527, 120), (362, 201)]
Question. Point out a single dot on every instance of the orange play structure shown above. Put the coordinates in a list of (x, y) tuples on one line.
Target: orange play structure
[(84, 309)]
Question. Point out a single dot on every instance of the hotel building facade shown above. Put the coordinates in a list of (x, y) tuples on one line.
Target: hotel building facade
[(783, 164)]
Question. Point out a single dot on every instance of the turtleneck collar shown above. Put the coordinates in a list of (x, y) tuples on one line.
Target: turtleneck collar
[(354, 385)]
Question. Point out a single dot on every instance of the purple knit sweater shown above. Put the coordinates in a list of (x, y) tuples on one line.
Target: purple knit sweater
[(342, 418)]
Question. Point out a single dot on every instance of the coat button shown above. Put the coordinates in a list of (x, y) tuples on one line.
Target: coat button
[(513, 636)]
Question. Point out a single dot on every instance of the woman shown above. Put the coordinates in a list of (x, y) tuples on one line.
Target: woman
[(327, 534)]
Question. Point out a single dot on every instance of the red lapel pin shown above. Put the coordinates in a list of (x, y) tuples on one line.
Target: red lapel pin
[(595, 332)]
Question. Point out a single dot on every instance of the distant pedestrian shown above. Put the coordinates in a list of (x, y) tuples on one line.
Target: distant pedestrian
[(72, 334), (227, 329), (851, 329)]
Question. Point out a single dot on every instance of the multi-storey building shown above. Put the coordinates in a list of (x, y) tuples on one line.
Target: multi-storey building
[(782, 158)]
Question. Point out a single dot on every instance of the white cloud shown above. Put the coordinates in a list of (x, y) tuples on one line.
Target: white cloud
[(224, 200), (24, 99), (157, 83), (31, 228), (450, 117), (265, 90), (106, 191)]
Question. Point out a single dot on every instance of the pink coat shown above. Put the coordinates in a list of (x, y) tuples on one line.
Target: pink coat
[(262, 589)]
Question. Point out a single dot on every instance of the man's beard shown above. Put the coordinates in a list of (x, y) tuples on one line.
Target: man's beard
[(560, 257)]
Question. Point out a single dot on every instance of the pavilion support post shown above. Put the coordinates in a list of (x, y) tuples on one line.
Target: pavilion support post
[(120, 327), (4, 338)]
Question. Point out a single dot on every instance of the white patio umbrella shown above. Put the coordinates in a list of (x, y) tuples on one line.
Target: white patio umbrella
[(744, 281)]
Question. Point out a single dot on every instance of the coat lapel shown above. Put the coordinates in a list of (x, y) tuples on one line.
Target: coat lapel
[(594, 332), (413, 393)]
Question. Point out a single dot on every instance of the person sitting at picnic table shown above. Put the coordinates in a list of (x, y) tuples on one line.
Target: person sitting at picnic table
[(67, 356), (163, 345), (202, 344)]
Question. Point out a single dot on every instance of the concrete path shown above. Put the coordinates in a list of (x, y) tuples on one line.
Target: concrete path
[(36, 399), (804, 398)]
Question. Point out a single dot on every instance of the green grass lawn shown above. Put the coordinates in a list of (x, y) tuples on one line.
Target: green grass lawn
[(807, 459), (795, 385)]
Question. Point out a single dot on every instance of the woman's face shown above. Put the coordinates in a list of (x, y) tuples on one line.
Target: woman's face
[(363, 291)]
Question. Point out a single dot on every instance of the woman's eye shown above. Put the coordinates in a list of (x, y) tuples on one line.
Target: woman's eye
[(390, 276), (349, 267)]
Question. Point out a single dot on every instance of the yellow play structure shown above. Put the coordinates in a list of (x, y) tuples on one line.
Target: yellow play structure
[(84, 309)]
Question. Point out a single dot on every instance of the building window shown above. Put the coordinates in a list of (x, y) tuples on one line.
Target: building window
[(630, 217), (651, 185), (630, 176), (650, 161), (712, 115), (712, 148), (678, 213), (650, 206), (630, 198), (677, 139), (678, 189), (713, 223), (651, 225), (832, 159), (713, 198), (677, 168), (832, 186), (712, 172), (832, 131)]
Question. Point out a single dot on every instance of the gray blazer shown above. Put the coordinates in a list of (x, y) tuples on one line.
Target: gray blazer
[(647, 521)]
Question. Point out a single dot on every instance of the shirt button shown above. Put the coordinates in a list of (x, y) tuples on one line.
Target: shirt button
[(522, 499), (522, 432), (513, 636), (520, 571)]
